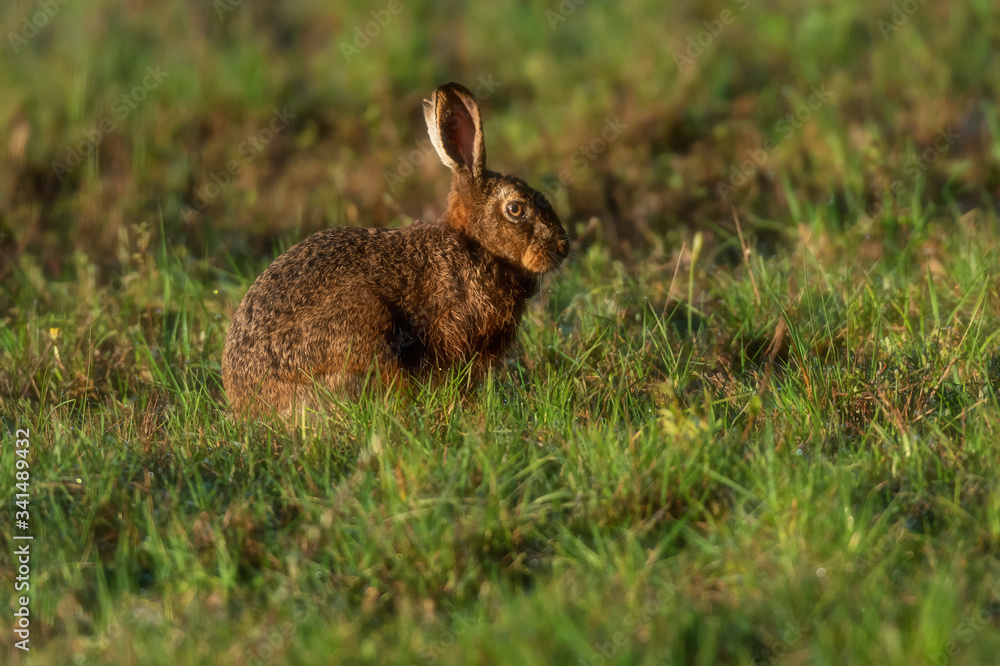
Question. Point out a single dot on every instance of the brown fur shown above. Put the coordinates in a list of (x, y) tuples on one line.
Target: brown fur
[(351, 303)]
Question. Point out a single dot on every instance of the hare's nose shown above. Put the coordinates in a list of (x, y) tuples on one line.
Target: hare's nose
[(562, 245)]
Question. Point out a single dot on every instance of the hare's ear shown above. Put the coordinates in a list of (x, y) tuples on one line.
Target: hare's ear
[(456, 129)]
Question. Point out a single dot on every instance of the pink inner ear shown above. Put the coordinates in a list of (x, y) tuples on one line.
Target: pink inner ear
[(462, 130)]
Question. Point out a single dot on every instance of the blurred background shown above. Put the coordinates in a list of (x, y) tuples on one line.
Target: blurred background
[(229, 129)]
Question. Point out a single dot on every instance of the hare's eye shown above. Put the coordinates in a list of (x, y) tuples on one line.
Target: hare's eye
[(515, 210)]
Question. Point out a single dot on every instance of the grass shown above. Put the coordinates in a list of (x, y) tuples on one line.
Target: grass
[(766, 442)]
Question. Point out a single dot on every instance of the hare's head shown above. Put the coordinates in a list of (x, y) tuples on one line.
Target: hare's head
[(501, 213)]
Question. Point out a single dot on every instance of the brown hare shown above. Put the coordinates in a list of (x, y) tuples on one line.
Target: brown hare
[(352, 304)]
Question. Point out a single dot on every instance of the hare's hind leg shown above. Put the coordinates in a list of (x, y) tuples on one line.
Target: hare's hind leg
[(367, 346)]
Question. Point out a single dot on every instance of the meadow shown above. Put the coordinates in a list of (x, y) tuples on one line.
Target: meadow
[(753, 419)]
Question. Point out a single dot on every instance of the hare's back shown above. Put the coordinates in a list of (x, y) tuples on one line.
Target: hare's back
[(332, 253), (312, 281)]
